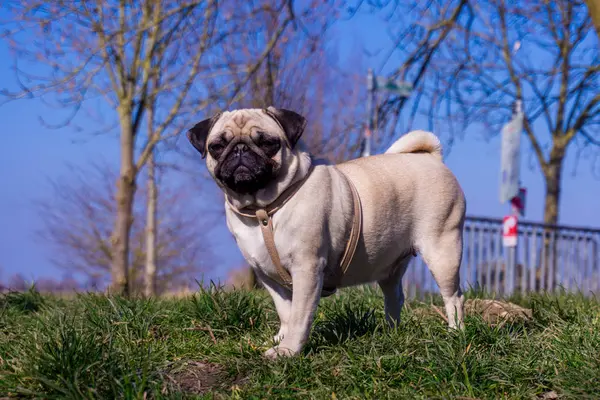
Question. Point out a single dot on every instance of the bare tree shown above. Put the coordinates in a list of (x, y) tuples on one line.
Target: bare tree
[(77, 219), (116, 50), (301, 73), (547, 56), (488, 54), (420, 32)]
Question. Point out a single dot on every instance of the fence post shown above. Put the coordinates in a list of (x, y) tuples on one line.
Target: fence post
[(499, 263), (533, 267), (510, 269), (479, 265), (468, 278), (524, 258)]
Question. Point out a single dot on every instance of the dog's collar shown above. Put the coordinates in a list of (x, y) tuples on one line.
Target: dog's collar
[(263, 215), (287, 194)]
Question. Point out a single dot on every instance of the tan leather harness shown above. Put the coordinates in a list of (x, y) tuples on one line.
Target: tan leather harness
[(263, 215)]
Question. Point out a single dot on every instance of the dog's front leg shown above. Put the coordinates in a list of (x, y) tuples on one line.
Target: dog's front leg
[(307, 284), (282, 299)]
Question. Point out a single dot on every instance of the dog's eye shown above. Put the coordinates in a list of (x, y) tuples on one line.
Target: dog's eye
[(269, 145), (216, 149)]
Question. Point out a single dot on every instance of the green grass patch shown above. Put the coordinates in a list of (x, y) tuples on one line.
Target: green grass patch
[(210, 345)]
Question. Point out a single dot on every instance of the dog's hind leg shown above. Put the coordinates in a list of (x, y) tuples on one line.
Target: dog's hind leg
[(443, 254), (393, 295)]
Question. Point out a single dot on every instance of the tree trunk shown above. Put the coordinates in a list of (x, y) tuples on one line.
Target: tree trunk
[(124, 218), (151, 210), (552, 175)]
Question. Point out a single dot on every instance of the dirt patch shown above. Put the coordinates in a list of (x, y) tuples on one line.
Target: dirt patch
[(493, 312), (197, 377)]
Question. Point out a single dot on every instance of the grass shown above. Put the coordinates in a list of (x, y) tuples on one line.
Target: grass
[(210, 345)]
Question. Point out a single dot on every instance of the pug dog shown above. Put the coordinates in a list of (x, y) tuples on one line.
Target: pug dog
[(410, 202)]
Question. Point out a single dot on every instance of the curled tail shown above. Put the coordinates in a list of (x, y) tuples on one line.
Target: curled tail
[(417, 142)]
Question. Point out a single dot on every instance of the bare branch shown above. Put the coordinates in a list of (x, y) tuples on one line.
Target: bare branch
[(137, 55)]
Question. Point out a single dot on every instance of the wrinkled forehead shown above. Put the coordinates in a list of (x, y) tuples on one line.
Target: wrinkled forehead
[(245, 122)]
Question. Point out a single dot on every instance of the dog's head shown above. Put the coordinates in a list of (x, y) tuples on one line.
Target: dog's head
[(245, 149)]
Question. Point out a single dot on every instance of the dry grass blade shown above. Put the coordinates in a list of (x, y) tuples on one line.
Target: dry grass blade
[(207, 329)]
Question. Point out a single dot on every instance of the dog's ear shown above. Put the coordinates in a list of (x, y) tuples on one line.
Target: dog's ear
[(199, 133), (292, 123)]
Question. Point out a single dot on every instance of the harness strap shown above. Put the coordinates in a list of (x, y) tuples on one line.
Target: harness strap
[(266, 227), (263, 215), (354, 231)]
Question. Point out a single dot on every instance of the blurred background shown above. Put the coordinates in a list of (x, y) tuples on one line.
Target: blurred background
[(100, 187)]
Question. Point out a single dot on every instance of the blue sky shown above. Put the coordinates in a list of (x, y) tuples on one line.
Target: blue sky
[(30, 153)]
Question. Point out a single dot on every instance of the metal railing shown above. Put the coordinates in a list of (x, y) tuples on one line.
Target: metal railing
[(547, 258)]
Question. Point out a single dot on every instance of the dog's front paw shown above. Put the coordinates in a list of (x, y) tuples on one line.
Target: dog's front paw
[(279, 351)]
